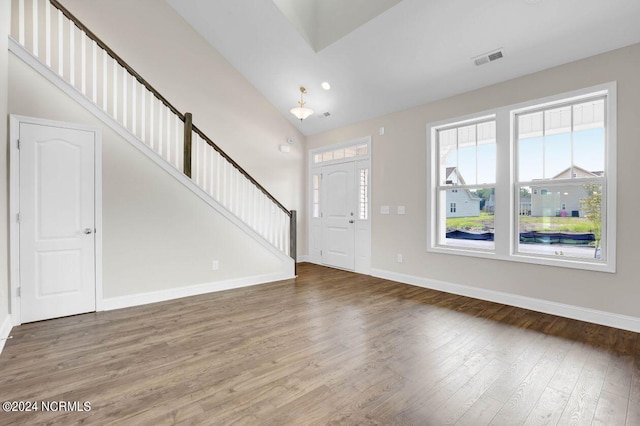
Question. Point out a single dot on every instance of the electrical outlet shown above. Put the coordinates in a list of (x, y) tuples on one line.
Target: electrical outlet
[(399, 258), (215, 265)]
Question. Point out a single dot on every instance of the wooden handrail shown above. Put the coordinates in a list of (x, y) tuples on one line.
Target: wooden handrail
[(117, 58)]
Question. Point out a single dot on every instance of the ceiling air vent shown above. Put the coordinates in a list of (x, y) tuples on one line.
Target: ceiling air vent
[(326, 114), (485, 58)]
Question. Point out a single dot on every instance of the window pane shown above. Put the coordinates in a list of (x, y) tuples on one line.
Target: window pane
[(557, 120), (466, 218), (486, 152), (467, 155), (448, 142), (350, 152), (362, 149), (557, 155), (327, 156), (588, 150), (364, 194), (561, 220), (338, 154)]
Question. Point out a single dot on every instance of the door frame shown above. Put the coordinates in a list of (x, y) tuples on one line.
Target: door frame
[(362, 251), (14, 206)]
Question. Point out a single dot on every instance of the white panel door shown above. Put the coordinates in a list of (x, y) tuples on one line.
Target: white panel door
[(338, 215), (57, 221)]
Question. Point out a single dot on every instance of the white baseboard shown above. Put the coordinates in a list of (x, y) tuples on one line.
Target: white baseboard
[(303, 258), (112, 303), (623, 322), (5, 331)]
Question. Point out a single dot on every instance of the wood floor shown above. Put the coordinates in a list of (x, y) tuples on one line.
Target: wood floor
[(330, 347)]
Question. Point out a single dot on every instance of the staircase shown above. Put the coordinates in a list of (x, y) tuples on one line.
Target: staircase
[(46, 32)]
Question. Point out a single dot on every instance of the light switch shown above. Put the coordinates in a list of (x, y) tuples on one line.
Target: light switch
[(384, 209), (400, 209), (381, 131)]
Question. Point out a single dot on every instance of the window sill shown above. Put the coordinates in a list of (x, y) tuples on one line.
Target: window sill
[(524, 258)]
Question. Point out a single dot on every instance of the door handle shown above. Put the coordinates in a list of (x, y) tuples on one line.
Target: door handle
[(88, 231), (351, 221)]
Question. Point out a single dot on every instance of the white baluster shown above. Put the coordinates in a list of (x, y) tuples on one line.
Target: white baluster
[(160, 133), (83, 62), (47, 33), (72, 53), (105, 82), (125, 74), (169, 132), (34, 16), (134, 105), (21, 22), (179, 126), (143, 114), (60, 44), (94, 72), (151, 121), (115, 89)]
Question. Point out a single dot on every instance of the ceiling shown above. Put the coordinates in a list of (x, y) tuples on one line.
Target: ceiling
[(382, 56)]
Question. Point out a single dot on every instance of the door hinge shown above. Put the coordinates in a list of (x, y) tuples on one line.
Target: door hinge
[(18, 143), (18, 218), (321, 214), (18, 292), (320, 252)]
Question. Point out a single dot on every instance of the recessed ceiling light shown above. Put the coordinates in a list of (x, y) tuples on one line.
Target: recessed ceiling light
[(325, 85)]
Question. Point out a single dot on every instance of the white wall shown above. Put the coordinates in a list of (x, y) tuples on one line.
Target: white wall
[(399, 178), (5, 6), (157, 234), (151, 37)]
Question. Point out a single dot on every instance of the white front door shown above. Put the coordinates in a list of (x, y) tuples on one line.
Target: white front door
[(57, 221), (338, 215)]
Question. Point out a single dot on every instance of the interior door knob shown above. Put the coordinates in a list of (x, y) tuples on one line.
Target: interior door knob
[(351, 221), (88, 231)]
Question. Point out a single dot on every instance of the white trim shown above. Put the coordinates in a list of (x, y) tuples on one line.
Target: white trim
[(304, 258), (5, 331), (76, 95), (14, 204), (579, 313), (112, 303)]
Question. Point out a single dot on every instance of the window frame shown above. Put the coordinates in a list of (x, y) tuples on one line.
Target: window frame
[(507, 197)]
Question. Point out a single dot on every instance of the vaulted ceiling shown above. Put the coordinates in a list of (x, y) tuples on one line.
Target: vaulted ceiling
[(382, 56)]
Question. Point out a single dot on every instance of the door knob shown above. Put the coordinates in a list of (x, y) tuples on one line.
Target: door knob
[(351, 221), (88, 231)]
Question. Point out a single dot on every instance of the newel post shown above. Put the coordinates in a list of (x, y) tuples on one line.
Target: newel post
[(292, 240), (188, 128)]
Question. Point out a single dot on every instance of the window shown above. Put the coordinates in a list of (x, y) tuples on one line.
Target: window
[(364, 194), (315, 190), (556, 193), (342, 153), (467, 160), (563, 146)]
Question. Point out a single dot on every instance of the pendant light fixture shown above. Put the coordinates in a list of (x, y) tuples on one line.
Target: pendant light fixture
[(300, 111)]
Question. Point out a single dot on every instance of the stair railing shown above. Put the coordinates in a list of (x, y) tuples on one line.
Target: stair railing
[(63, 43)]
